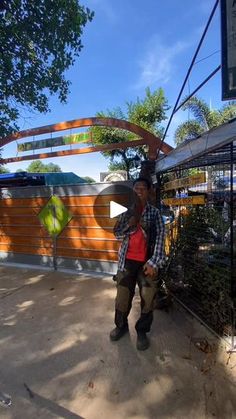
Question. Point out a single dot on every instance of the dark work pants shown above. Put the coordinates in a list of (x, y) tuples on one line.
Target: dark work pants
[(126, 281)]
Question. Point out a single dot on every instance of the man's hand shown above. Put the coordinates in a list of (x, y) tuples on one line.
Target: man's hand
[(149, 270)]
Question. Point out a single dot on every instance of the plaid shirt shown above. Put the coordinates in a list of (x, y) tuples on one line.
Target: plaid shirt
[(154, 231)]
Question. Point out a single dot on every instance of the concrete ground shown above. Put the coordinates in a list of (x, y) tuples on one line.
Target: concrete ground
[(57, 360)]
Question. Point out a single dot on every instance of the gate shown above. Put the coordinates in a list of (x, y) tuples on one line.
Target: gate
[(60, 227), (200, 271)]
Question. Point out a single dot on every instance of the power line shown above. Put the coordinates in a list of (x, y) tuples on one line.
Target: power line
[(189, 70), (199, 87), (208, 56)]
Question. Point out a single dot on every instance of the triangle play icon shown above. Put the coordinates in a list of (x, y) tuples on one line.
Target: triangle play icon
[(116, 209)]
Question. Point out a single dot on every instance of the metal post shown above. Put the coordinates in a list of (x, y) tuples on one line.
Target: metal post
[(54, 240), (233, 285), (158, 191), (190, 67)]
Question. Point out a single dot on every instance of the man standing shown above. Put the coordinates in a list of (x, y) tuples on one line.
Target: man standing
[(141, 253)]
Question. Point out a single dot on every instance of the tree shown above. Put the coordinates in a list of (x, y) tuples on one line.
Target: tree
[(205, 118), (89, 179), (38, 167), (51, 167), (114, 166), (148, 113), (40, 40), (4, 170)]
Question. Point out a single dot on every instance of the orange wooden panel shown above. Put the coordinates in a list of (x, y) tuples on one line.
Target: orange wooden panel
[(91, 200), (85, 210), (69, 201), (67, 232), (23, 202), (88, 244), (91, 222), (26, 249), (87, 254), (22, 220), (14, 211), (98, 233), (34, 241), (24, 231)]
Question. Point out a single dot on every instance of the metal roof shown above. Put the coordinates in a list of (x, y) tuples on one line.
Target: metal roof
[(212, 147)]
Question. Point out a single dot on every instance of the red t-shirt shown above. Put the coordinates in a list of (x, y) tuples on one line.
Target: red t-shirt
[(137, 247)]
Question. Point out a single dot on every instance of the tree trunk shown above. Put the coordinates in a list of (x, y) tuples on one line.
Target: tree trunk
[(127, 164), (147, 171)]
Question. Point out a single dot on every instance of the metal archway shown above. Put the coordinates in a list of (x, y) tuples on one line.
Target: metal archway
[(147, 137)]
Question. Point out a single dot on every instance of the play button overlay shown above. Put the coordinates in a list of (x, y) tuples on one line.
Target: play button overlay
[(116, 209), (111, 201)]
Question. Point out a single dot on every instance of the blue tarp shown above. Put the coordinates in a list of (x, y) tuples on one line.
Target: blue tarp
[(68, 178), (9, 176), (30, 179)]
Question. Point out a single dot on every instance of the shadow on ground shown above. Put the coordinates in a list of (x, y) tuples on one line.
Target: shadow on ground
[(57, 360)]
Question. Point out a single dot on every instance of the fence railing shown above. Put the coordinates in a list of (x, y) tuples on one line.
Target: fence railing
[(200, 244)]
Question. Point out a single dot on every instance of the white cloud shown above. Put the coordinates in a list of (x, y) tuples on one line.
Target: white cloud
[(157, 64)]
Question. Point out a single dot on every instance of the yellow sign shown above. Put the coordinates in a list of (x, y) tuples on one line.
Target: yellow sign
[(186, 181), (54, 216), (190, 200)]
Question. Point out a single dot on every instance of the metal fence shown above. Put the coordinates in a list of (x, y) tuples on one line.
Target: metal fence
[(200, 271)]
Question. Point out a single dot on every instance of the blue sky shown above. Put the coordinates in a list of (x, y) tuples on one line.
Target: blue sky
[(130, 45)]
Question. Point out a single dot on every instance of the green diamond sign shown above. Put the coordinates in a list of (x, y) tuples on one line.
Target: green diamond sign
[(54, 216)]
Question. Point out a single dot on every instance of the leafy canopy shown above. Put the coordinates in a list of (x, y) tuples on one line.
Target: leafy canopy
[(4, 170), (147, 113), (38, 167), (205, 118), (40, 40), (89, 179)]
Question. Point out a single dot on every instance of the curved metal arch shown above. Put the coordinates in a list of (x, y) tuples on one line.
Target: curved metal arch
[(149, 138)]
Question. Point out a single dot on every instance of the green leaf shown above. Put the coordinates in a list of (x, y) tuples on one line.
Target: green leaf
[(39, 42)]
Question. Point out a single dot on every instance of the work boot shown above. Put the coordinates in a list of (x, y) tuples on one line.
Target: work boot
[(142, 341), (118, 332)]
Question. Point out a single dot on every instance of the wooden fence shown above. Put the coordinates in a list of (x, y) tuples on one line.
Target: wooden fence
[(85, 243)]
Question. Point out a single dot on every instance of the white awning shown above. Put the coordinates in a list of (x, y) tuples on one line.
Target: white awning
[(206, 143)]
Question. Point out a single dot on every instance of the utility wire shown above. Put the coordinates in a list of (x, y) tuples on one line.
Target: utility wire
[(199, 87), (208, 56), (189, 70)]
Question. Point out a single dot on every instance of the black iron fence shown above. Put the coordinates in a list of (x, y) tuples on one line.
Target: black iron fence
[(200, 270)]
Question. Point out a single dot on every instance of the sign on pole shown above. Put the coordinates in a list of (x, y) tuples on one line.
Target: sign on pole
[(228, 48), (185, 182), (190, 200)]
